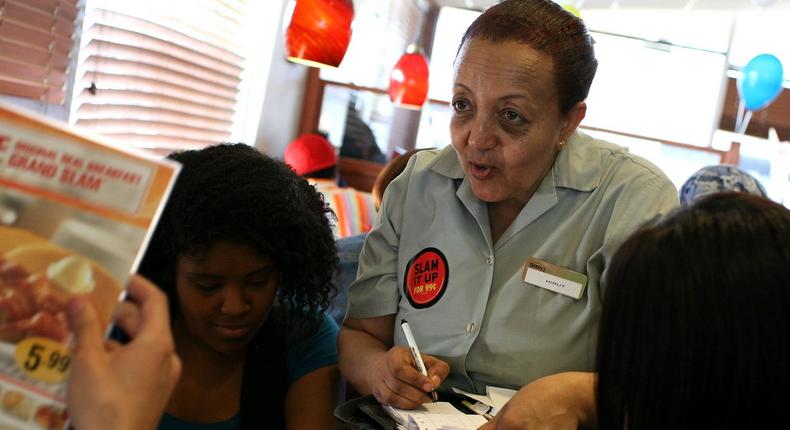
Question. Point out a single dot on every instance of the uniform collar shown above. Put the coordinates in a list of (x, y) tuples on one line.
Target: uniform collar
[(577, 166), (446, 163)]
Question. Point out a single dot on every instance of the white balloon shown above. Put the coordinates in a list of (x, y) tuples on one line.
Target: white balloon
[(763, 3)]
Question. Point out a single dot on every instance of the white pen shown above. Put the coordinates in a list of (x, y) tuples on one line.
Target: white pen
[(415, 354)]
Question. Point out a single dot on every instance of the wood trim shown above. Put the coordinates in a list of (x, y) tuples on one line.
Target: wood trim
[(312, 101), (776, 115), (733, 156), (359, 174)]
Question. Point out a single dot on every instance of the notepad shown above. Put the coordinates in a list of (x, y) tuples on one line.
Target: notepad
[(434, 416), (495, 397), (448, 422)]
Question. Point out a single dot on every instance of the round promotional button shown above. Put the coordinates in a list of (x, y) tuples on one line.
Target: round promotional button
[(426, 278)]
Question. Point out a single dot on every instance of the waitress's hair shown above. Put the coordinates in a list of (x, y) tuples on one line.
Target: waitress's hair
[(548, 28), (695, 331), (234, 193)]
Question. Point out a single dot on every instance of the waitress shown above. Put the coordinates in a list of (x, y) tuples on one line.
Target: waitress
[(494, 248)]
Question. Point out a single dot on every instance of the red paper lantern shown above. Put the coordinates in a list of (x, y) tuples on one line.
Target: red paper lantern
[(319, 32), (409, 79)]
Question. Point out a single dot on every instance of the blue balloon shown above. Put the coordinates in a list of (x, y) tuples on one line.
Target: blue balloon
[(761, 82)]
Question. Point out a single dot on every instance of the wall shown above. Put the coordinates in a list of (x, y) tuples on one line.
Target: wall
[(282, 102)]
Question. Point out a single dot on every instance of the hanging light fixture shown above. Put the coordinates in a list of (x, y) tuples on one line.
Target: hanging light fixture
[(319, 32), (409, 79)]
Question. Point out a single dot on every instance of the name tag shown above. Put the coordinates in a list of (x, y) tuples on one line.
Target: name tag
[(554, 278)]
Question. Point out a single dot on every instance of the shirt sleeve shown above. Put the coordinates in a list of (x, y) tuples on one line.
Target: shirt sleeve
[(375, 292), (645, 200), (320, 350)]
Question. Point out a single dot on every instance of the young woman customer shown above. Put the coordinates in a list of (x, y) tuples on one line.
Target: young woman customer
[(245, 254)]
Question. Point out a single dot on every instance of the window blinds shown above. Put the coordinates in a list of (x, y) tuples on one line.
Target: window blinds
[(160, 75), (35, 44)]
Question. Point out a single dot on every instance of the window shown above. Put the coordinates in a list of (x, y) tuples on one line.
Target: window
[(35, 46), (450, 27), (381, 31), (654, 89), (161, 75), (373, 109), (380, 34), (763, 31), (703, 29)]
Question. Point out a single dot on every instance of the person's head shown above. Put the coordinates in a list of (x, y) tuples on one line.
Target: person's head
[(695, 330), (522, 73), (241, 235), (390, 171), (312, 155), (718, 178)]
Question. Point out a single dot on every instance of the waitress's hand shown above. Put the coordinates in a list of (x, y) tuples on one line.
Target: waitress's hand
[(564, 401), (122, 387), (396, 382)]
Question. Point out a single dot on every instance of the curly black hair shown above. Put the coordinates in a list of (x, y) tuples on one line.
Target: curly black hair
[(234, 193)]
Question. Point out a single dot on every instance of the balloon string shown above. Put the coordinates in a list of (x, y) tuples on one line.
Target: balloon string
[(739, 115), (747, 117)]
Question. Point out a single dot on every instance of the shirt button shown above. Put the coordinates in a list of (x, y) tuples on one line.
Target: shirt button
[(490, 260), (470, 327)]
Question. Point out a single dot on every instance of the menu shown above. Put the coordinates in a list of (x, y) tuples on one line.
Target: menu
[(76, 213)]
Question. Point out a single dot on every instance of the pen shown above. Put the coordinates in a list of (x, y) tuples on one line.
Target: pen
[(415, 354)]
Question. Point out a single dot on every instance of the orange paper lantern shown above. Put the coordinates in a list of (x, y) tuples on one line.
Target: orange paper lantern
[(319, 32), (409, 79)]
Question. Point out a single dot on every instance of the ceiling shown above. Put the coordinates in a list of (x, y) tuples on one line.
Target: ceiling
[(635, 4)]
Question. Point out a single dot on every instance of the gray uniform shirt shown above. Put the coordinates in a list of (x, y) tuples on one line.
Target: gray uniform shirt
[(430, 260)]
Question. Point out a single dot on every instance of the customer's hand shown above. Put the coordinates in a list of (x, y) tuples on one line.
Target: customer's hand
[(396, 382), (122, 387), (556, 402)]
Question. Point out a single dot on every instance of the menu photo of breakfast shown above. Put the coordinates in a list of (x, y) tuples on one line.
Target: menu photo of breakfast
[(75, 215), (37, 279)]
